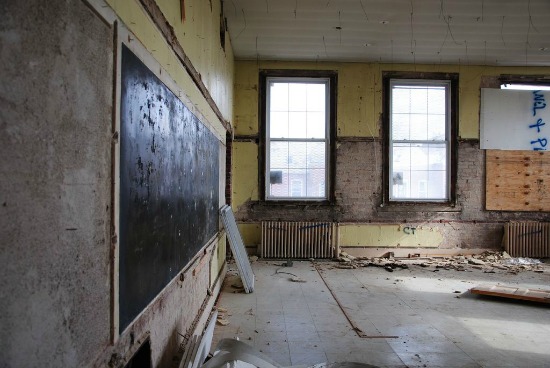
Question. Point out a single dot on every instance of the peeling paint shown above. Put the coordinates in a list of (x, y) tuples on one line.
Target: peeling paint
[(399, 235)]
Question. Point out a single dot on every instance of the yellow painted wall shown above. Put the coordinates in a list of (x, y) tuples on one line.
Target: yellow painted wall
[(359, 105), (245, 173), (360, 93), (251, 233), (200, 39), (367, 235)]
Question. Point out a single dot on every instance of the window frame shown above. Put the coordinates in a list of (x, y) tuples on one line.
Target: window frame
[(389, 78), (332, 78)]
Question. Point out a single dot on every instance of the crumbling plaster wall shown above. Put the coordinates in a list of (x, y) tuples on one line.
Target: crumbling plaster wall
[(56, 109), (55, 119), (360, 160)]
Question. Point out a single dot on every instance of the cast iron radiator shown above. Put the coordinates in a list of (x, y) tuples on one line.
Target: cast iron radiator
[(297, 240), (527, 239)]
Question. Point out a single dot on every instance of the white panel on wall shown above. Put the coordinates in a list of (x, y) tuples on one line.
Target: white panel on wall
[(514, 120)]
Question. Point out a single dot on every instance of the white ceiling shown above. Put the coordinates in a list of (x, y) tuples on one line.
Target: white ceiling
[(465, 32)]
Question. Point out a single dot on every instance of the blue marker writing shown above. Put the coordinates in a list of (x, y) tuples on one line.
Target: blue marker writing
[(538, 102), (537, 125)]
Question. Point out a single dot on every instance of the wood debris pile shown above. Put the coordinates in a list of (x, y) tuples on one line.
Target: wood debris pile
[(489, 262)]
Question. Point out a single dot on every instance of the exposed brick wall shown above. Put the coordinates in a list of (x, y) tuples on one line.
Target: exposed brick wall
[(359, 194), (358, 185), (470, 184)]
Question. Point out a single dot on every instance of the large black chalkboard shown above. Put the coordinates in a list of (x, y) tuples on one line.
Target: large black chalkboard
[(169, 180)]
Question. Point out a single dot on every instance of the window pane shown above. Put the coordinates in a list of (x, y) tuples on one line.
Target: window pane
[(401, 157), (297, 97), (278, 155), (316, 97), (419, 127), (316, 125), (297, 155), (419, 100), (296, 188), (438, 157), (278, 124), (316, 155), (436, 100), (436, 127), (279, 97), (400, 184), (419, 157), (419, 183), (297, 126), (437, 185), (278, 183), (297, 179), (401, 101), (316, 183), (401, 127)]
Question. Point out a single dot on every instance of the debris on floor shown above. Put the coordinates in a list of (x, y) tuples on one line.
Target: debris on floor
[(514, 292), (222, 322), (488, 262), (297, 279)]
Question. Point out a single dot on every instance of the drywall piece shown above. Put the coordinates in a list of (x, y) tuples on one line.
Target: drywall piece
[(512, 292), (517, 181), (199, 348), (514, 119), (237, 248), (206, 341)]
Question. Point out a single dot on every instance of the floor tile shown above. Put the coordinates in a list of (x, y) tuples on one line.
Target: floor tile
[(302, 323)]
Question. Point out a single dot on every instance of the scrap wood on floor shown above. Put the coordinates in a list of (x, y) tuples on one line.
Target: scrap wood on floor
[(514, 292)]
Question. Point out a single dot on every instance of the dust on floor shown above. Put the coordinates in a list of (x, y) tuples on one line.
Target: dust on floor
[(415, 316)]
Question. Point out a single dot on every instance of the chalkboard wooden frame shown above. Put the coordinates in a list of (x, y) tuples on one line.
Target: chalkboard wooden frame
[(169, 186)]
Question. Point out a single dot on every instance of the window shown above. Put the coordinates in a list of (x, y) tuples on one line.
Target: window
[(297, 115), (420, 140)]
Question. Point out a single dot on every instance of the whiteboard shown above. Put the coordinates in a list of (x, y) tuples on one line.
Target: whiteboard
[(515, 120)]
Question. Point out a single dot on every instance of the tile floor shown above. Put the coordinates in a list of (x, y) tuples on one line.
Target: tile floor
[(435, 320)]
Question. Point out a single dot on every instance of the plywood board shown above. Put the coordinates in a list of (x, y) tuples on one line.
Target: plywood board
[(513, 292), (517, 180)]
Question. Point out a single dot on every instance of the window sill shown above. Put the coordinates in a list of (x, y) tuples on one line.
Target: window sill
[(296, 203), (418, 207)]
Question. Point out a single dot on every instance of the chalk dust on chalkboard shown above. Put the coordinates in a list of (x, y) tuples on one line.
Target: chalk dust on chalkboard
[(169, 183)]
